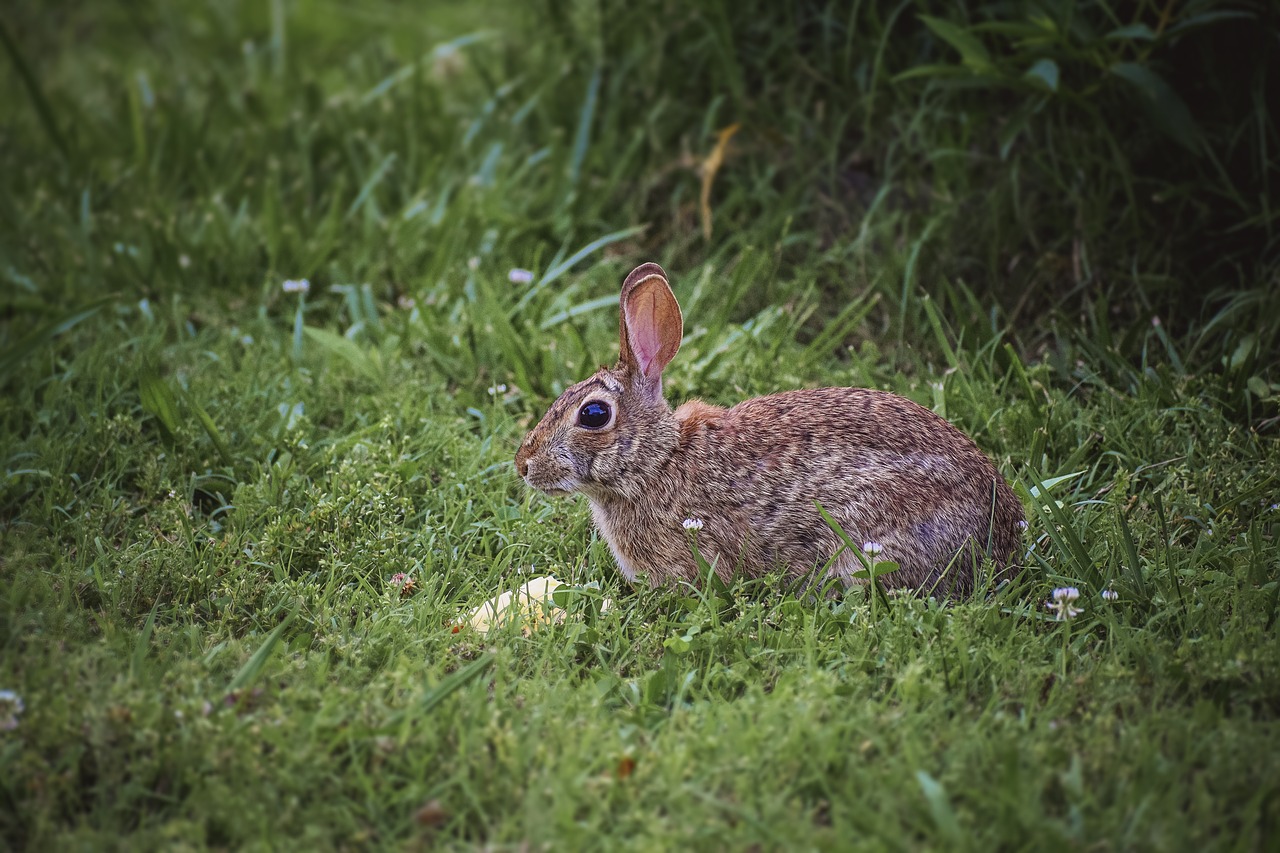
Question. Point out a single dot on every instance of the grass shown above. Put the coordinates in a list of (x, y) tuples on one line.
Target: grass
[(209, 483)]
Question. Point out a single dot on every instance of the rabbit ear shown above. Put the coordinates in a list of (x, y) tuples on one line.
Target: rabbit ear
[(650, 325)]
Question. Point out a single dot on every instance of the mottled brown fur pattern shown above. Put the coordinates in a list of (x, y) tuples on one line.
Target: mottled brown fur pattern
[(888, 470)]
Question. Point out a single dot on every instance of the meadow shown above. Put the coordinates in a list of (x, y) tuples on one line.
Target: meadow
[(242, 520)]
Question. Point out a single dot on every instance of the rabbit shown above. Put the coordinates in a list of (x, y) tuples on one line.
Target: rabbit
[(893, 474)]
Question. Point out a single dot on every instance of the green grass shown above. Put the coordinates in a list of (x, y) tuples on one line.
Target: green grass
[(209, 483)]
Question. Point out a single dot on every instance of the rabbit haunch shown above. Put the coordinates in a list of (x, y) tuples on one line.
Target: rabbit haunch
[(888, 470)]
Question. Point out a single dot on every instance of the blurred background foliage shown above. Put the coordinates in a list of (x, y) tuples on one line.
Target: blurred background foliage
[(1066, 174)]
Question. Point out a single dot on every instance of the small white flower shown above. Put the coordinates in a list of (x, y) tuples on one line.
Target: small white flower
[(184, 261), (300, 285), (1062, 603), (1022, 524), (495, 390), (473, 263), (692, 524), (872, 549), (11, 708), (519, 276), (1110, 595)]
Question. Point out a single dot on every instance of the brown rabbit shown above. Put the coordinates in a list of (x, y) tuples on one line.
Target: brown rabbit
[(894, 475)]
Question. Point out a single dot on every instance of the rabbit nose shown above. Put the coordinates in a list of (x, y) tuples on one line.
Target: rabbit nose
[(522, 462)]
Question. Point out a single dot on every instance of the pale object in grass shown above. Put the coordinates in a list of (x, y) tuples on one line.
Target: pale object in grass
[(1063, 603), (531, 605), (11, 708)]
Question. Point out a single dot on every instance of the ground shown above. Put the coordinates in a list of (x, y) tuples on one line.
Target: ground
[(243, 520)]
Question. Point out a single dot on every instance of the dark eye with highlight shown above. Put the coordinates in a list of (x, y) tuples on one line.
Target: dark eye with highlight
[(594, 415)]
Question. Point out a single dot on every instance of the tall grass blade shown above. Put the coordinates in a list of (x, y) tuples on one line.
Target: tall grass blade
[(1131, 556), (944, 817), (1062, 531), (13, 355), (209, 427), (433, 696), (582, 138), (158, 400), (348, 350), (564, 266), (143, 644), (258, 659), (34, 92)]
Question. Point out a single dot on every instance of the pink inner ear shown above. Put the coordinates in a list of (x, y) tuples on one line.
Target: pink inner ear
[(644, 331), (642, 328)]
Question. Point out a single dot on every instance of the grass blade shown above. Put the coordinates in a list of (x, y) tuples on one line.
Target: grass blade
[(38, 100), (158, 400), (143, 644), (582, 139), (210, 428), (347, 350), (564, 266), (258, 659), (433, 696), (12, 356), (1131, 555), (944, 817)]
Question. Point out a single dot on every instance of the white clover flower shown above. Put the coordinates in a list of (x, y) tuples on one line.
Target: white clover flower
[(1110, 595), (1062, 603), (872, 549), (300, 285), (11, 708), (519, 276), (692, 524)]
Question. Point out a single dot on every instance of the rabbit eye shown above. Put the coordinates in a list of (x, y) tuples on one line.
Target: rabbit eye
[(594, 415)]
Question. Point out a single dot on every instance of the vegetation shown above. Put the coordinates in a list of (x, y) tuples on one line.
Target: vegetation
[(1056, 224)]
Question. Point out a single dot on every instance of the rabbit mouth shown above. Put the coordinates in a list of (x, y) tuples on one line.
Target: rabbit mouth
[(557, 489)]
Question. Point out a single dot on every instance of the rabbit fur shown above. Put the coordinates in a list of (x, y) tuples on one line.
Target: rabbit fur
[(888, 470)]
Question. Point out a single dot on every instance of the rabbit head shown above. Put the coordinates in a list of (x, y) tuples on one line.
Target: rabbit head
[(604, 434)]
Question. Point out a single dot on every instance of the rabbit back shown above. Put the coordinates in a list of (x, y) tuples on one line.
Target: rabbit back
[(887, 470)]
